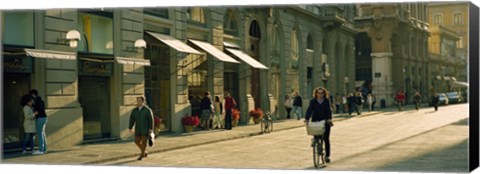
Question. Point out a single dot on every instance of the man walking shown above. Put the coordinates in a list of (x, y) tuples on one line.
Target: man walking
[(142, 118), (40, 122)]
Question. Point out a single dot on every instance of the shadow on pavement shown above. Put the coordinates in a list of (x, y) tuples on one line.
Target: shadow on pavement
[(450, 159)]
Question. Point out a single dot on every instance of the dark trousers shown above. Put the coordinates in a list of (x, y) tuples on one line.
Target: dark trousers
[(337, 108), (353, 107), (326, 139), (288, 112), (228, 119), (28, 138), (435, 106)]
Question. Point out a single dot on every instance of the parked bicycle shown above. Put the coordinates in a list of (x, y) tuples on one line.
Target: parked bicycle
[(266, 126), (317, 130)]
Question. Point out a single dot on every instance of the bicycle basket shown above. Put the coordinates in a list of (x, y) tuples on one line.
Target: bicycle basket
[(316, 128)]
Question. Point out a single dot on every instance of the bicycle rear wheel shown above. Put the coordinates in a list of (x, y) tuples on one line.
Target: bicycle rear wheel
[(270, 125), (263, 128)]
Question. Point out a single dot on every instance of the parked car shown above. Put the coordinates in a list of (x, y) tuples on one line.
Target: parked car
[(443, 99), (454, 97)]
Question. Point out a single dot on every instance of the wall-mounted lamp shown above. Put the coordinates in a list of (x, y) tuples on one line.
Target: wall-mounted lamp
[(73, 36), (139, 43)]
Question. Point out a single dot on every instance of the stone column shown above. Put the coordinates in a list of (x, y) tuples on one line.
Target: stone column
[(382, 63)]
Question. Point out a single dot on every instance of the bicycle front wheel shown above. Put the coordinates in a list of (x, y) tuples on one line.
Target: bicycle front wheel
[(316, 154)]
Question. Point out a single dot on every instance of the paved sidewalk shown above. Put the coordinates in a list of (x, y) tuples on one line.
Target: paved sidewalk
[(114, 150)]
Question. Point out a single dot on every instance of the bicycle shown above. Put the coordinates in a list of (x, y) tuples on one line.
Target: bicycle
[(317, 130), (266, 126), (400, 105)]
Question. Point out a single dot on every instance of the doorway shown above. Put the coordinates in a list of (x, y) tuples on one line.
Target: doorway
[(94, 96), (15, 86)]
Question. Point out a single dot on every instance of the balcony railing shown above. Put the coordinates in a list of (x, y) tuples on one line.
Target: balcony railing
[(333, 13)]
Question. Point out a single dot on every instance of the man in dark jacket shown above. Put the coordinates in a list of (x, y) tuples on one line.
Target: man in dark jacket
[(352, 104), (40, 122), (297, 105), (435, 100), (142, 118), (319, 109), (207, 111)]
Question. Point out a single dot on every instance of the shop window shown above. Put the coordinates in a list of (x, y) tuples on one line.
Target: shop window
[(230, 24), (18, 28), (96, 29)]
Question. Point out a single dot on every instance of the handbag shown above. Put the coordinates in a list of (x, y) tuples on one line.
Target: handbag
[(151, 139), (316, 128)]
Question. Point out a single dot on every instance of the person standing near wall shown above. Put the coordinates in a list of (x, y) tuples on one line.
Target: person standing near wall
[(230, 104), (297, 105), (28, 123), (207, 111), (288, 104), (217, 121), (142, 118), (40, 122)]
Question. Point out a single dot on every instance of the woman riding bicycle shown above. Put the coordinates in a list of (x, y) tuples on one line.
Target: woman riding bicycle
[(320, 109)]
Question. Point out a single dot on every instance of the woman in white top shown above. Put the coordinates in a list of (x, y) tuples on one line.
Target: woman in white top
[(218, 106), (288, 105), (28, 123)]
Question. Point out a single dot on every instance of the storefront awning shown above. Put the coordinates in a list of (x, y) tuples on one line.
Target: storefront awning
[(214, 51), (461, 84), (247, 59), (230, 44), (132, 61), (49, 54), (174, 43), (446, 78)]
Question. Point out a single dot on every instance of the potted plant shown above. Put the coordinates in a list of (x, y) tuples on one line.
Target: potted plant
[(189, 122), (235, 117), (157, 124), (256, 114)]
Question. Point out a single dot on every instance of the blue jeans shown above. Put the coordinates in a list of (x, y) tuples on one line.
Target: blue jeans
[(298, 111), (28, 138), (41, 136)]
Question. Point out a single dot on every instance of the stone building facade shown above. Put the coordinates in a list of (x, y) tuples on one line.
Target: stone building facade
[(449, 22), (90, 89), (398, 35)]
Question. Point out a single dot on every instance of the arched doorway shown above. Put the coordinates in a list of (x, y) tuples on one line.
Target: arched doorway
[(254, 38)]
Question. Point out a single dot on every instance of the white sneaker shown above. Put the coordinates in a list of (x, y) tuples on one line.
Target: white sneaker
[(37, 153)]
